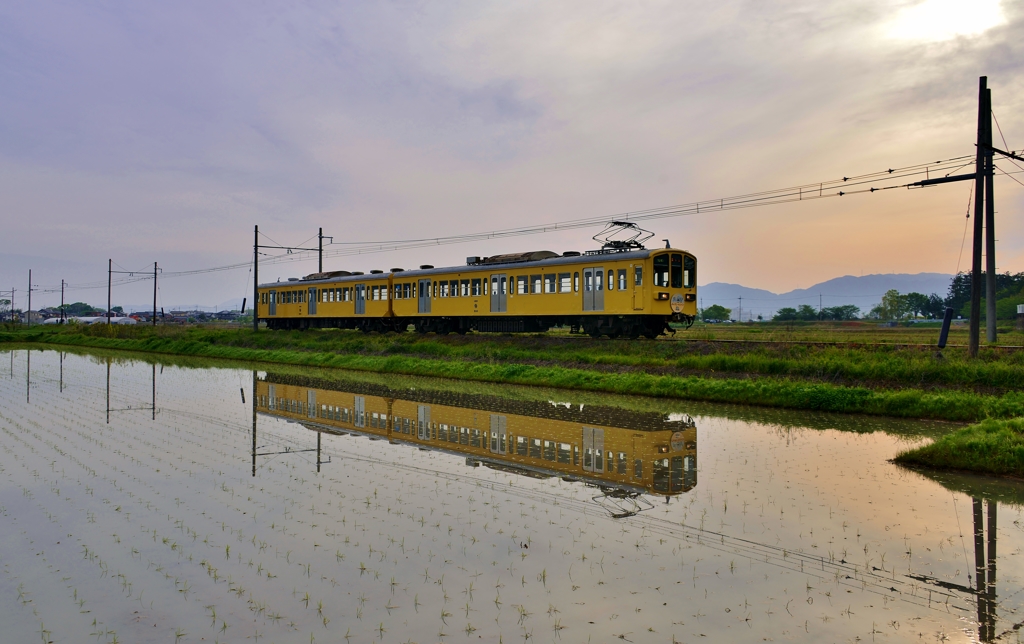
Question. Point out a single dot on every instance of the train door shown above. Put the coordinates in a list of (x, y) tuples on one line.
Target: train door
[(424, 296), (360, 299), (499, 434), (593, 449), (499, 293), (272, 303), (593, 289), (359, 407), (638, 287), (423, 422), (311, 309)]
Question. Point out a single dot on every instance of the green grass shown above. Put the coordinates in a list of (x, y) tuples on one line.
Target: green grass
[(884, 381), (993, 446)]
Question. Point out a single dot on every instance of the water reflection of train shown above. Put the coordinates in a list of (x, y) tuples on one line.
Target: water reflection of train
[(617, 450)]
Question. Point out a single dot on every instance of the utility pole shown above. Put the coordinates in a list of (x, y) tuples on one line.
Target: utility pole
[(63, 316), (990, 227), (154, 293), (320, 251), (984, 115), (741, 309), (28, 314), (255, 308), (819, 307), (110, 269)]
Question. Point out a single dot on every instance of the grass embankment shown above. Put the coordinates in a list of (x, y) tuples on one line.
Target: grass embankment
[(888, 381), (993, 446)]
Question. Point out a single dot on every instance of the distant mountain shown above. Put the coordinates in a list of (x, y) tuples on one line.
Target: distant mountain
[(865, 292)]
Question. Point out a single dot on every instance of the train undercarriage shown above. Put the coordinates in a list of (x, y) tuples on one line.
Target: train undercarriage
[(612, 326)]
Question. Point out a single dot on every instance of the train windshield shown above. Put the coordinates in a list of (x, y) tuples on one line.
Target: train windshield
[(677, 270), (689, 272), (661, 270)]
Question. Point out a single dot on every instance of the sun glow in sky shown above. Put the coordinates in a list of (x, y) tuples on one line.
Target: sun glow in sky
[(937, 20), (145, 132)]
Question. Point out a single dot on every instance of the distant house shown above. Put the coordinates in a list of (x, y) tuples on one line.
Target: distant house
[(226, 315)]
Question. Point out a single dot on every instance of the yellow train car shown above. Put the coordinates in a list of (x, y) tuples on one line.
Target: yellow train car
[(654, 455), (614, 291)]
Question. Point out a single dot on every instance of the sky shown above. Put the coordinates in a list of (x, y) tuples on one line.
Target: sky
[(163, 132)]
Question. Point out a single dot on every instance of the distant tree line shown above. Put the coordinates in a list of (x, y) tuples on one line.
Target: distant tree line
[(900, 306)]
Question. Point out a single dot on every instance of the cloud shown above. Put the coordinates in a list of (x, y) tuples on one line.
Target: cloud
[(166, 131)]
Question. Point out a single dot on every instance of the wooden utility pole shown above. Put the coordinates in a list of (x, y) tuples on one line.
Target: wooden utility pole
[(110, 272), (63, 315), (28, 314), (154, 293), (320, 251), (990, 226), (984, 115), (255, 297)]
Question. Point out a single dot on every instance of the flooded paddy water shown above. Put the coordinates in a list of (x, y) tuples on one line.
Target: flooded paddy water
[(144, 500)]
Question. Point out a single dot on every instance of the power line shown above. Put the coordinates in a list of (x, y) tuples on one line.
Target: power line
[(858, 184)]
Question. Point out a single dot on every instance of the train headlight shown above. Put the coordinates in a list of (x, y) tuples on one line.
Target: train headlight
[(662, 296)]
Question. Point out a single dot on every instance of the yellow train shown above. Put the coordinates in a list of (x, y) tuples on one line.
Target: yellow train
[(620, 451), (620, 290)]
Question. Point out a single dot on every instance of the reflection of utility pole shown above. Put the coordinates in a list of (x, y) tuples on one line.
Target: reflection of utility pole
[(28, 376), (108, 388), (254, 422), (62, 372), (154, 391), (985, 569)]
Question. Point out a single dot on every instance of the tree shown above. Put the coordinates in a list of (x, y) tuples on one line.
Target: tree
[(715, 312), (806, 312), (916, 303), (936, 306), (786, 314), (844, 312), (893, 306), (117, 309)]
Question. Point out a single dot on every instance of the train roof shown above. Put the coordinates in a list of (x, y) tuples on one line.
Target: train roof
[(534, 259)]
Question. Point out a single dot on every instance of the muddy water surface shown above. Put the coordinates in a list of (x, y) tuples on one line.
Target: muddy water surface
[(146, 502)]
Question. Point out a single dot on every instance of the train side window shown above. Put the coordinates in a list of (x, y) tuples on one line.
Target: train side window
[(550, 283), (564, 283), (536, 284), (435, 289), (407, 290), (622, 463), (677, 270), (385, 292), (477, 289), (549, 450), (576, 281), (564, 453), (661, 270), (325, 293), (535, 448), (689, 272), (611, 280), (485, 287), (638, 276), (465, 288), (455, 288), (442, 289), (622, 279), (521, 445), (521, 285)]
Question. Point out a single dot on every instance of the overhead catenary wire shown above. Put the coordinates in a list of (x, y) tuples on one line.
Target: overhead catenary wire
[(847, 185)]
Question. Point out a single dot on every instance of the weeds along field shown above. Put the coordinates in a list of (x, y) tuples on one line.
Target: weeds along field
[(800, 369)]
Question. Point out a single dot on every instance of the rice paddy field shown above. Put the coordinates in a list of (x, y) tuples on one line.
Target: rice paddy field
[(148, 500)]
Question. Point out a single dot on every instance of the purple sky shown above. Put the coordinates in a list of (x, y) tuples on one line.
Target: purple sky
[(163, 131)]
